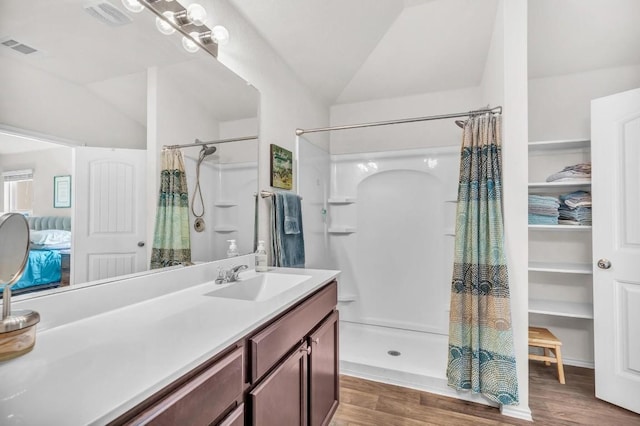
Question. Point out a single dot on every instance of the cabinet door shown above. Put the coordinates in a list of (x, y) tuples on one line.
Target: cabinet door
[(281, 398), (324, 372)]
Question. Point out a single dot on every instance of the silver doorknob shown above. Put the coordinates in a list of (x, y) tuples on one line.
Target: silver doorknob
[(140, 243), (604, 264)]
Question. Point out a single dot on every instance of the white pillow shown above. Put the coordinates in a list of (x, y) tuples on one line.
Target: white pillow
[(50, 236)]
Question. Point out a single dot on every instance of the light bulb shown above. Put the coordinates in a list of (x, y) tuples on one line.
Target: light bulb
[(220, 35), (133, 6), (197, 14), (189, 45), (163, 26)]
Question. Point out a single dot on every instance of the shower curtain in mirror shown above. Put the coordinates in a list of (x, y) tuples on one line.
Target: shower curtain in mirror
[(171, 242), (481, 353)]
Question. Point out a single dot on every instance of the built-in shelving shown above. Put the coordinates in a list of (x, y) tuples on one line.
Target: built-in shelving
[(561, 267), (341, 230), (225, 203), (560, 227), (561, 309), (341, 200), (560, 144), (560, 185)]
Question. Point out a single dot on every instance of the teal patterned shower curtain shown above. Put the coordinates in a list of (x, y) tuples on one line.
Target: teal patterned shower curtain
[(171, 241), (481, 353)]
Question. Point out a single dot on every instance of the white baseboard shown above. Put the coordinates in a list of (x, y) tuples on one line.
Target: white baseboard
[(516, 411), (578, 363)]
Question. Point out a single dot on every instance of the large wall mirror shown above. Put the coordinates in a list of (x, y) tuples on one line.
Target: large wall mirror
[(92, 91)]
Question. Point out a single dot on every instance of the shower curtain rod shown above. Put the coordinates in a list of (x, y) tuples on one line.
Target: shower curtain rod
[(497, 110), (198, 142)]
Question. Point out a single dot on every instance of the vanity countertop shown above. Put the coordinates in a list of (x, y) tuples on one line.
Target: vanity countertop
[(92, 370)]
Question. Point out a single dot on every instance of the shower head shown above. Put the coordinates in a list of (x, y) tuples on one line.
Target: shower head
[(207, 150)]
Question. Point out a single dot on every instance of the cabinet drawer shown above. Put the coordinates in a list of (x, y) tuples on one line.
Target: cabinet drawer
[(236, 418), (203, 399), (272, 343)]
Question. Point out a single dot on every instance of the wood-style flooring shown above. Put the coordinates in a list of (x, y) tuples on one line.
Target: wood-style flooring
[(366, 403)]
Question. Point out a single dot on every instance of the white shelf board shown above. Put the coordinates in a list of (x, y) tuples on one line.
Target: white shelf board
[(341, 230), (341, 200), (567, 184), (560, 267), (560, 144), (225, 228), (560, 227), (561, 309), (225, 203)]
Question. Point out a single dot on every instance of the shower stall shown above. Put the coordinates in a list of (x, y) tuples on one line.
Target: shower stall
[(386, 219)]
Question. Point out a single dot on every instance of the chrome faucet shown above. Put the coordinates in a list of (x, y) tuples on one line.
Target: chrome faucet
[(230, 275)]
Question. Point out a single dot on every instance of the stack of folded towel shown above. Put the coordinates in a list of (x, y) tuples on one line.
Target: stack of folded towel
[(543, 210), (577, 172), (575, 208)]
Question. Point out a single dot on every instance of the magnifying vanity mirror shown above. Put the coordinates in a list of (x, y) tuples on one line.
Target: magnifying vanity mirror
[(90, 95), (17, 329)]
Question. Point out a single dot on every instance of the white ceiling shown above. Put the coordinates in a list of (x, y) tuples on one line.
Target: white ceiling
[(357, 50)]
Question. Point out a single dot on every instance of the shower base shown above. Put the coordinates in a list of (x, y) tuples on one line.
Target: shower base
[(371, 352)]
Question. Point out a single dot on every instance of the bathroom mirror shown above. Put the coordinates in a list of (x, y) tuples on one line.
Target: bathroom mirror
[(90, 74)]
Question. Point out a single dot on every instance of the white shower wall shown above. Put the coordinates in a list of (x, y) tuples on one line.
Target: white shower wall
[(391, 220), (228, 195)]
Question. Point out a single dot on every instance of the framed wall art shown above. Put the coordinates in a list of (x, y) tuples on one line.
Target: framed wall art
[(62, 192), (281, 167)]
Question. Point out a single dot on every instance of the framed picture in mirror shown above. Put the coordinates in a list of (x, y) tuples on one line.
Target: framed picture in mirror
[(281, 167), (62, 192)]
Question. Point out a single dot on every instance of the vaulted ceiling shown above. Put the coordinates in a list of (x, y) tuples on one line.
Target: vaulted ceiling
[(357, 50)]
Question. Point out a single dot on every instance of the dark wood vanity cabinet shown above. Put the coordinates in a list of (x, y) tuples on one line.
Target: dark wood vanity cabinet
[(290, 377), (300, 351)]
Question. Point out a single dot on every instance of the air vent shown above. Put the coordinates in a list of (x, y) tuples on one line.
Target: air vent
[(107, 13), (18, 47)]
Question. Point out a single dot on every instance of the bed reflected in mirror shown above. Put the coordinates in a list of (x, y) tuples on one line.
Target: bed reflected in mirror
[(99, 108)]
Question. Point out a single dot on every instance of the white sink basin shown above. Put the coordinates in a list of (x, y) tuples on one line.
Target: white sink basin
[(259, 287)]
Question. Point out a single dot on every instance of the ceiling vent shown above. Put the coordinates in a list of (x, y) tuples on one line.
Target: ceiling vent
[(18, 47), (107, 13)]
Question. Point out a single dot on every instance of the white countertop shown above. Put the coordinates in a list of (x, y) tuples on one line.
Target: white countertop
[(92, 370)]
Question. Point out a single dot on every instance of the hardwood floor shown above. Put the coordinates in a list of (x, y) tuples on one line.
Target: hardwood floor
[(366, 403)]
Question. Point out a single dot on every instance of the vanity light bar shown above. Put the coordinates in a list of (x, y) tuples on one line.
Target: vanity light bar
[(187, 21)]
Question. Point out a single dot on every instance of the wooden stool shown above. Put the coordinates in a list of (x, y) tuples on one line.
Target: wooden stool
[(543, 338)]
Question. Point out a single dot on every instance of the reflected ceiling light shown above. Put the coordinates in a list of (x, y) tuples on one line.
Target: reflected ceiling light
[(164, 25), (220, 35), (133, 6), (190, 45)]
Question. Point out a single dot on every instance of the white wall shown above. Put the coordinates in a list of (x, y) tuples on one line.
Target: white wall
[(285, 103), (560, 106), (40, 102), (505, 83), (401, 136), (45, 165)]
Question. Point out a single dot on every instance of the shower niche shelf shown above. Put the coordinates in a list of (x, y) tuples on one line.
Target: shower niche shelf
[(225, 203), (346, 298), (341, 230), (224, 229), (341, 200)]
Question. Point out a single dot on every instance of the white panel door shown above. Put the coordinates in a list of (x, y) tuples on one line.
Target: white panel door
[(109, 218), (615, 139)]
